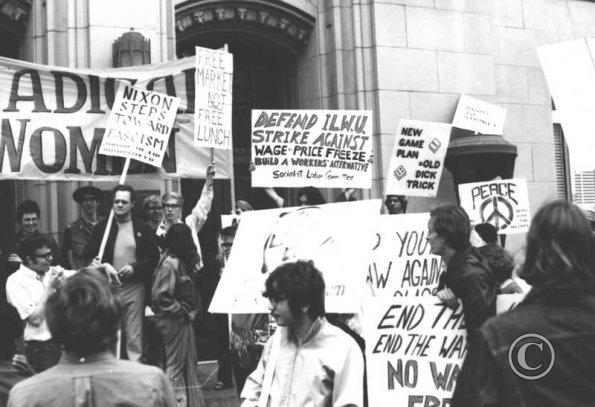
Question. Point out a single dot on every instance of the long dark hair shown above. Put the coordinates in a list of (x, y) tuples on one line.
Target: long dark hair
[(560, 249), (178, 242)]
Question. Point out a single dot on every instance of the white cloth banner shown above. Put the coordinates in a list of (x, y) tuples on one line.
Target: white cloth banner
[(479, 116), (214, 88), (401, 262), (417, 159), (320, 148), (139, 125), (337, 237), (54, 120), (503, 203)]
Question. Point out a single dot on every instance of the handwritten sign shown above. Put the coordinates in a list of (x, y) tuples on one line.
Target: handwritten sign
[(139, 124), (503, 203), (339, 248), (401, 262), (415, 347), (214, 86), (417, 158), (479, 116), (321, 148)]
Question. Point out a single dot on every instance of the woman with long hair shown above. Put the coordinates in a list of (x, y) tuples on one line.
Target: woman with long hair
[(542, 353), (176, 304)]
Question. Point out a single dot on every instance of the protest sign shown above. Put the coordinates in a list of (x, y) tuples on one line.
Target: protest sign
[(401, 262), (54, 120), (214, 86), (506, 302), (337, 237), (320, 148), (229, 220), (415, 347), (139, 124), (479, 116), (503, 203), (570, 74), (417, 158)]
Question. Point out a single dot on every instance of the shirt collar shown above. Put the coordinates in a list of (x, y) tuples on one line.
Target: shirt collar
[(31, 273)]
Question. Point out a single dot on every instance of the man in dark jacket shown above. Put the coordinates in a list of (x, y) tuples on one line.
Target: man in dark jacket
[(541, 353), (132, 250), (467, 276)]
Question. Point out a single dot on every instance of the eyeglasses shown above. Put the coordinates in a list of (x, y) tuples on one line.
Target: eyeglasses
[(171, 206), (48, 256)]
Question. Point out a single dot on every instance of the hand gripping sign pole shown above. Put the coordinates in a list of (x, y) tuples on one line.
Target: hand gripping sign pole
[(139, 126)]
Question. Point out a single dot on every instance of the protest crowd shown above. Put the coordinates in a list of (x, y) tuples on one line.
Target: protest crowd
[(67, 313), (325, 297)]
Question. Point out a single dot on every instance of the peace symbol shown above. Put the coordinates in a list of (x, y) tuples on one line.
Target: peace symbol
[(490, 211)]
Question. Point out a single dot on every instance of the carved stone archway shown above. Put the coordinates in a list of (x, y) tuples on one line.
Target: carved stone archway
[(265, 38), (274, 23)]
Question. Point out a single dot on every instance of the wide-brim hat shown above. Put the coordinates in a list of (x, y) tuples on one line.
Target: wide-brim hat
[(80, 193)]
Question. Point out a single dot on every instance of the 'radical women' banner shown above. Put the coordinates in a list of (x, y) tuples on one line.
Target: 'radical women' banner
[(320, 148), (53, 120)]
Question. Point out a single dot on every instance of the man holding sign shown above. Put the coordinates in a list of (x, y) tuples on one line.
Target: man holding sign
[(329, 362), (132, 250), (467, 276)]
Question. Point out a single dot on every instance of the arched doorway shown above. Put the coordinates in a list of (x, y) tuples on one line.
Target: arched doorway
[(265, 39)]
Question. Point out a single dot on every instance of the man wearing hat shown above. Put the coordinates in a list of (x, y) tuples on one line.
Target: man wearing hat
[(77, 235)]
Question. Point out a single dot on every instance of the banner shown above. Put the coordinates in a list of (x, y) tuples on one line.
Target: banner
[(570, 74), (415, 347), (417, 158), (337, 237), (479, 116), (54, 120), (320, 148), (401, 263), (214, 88), (139, 125), (503, 203)]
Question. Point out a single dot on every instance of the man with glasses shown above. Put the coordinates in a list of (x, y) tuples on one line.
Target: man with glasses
[(131, 249), (27, 290), (172, 203), (28, 215), (78, 234), (153, 211)]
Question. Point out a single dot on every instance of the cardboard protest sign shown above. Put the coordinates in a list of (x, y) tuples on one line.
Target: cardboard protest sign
[(139, 125), (54, 120), (570, 74), (479, 116), (503, 203), (506, 302), (320, 148), (415, 347), (417, 158), (214, 87), (401, 262), (337, 237)]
